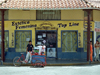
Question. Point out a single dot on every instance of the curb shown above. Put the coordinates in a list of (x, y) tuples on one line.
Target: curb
[(59, 64), (67, 64)]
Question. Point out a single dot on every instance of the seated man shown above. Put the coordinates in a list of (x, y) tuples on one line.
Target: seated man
[(29, 52)]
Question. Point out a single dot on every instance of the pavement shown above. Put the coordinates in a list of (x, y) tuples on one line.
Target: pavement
[(51, 70)]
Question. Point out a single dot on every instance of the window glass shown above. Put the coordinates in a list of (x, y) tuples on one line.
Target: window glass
[(48, 14), (86, 17), (69, 41)]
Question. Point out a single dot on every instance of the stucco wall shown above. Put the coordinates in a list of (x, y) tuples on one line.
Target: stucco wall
[(72, 15), (22, 15), (96, 15)]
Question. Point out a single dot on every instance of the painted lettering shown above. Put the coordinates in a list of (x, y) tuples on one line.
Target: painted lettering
[(12, 23), (79, 41), (62, 25), (12, 39), (70, 24), (20, 23), (17, 25), (27, 26), (73, 24)]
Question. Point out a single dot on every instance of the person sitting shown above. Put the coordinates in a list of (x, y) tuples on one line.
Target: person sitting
[(29, 52)]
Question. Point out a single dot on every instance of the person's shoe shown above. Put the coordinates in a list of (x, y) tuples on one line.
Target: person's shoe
[(23, 62)]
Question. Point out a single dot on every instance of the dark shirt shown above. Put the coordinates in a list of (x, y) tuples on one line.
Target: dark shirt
[(30, 47)]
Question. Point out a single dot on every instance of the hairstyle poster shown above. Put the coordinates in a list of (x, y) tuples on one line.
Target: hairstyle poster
[(51, 52)]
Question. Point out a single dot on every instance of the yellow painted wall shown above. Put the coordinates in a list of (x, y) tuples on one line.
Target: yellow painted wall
[(20, 15), (72, 15), (96, 15), (79, 28)]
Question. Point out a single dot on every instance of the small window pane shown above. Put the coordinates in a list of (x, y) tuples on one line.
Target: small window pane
[(48, 14), (86, 17)]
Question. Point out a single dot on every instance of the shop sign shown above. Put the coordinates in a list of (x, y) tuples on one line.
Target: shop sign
[(70, 24), (18, 25), (97, 29), (97, 24)]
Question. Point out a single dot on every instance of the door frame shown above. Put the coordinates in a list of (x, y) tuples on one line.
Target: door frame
[(56, 39)]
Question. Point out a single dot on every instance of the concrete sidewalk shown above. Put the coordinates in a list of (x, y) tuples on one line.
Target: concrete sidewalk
[(57, 63)]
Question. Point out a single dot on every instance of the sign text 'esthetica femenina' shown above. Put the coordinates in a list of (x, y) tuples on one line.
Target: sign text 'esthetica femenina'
[(18, 24)]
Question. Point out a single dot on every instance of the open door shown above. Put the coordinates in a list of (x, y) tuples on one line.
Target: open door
[(49, 39)]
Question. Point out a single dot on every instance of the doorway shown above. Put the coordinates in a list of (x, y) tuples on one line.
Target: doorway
[(49, 39)]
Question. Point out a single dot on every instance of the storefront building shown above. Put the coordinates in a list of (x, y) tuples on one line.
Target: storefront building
[(63, 36), (63, 31)]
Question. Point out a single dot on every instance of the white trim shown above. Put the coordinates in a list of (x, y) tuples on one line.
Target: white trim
[(50, 8)]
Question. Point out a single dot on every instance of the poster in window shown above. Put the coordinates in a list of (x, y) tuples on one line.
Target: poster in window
[(51, 52), (39, 43), (39, 36), (44, 34)]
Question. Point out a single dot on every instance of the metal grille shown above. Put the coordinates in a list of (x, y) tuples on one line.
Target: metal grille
[(69, 41), (22, 39)]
